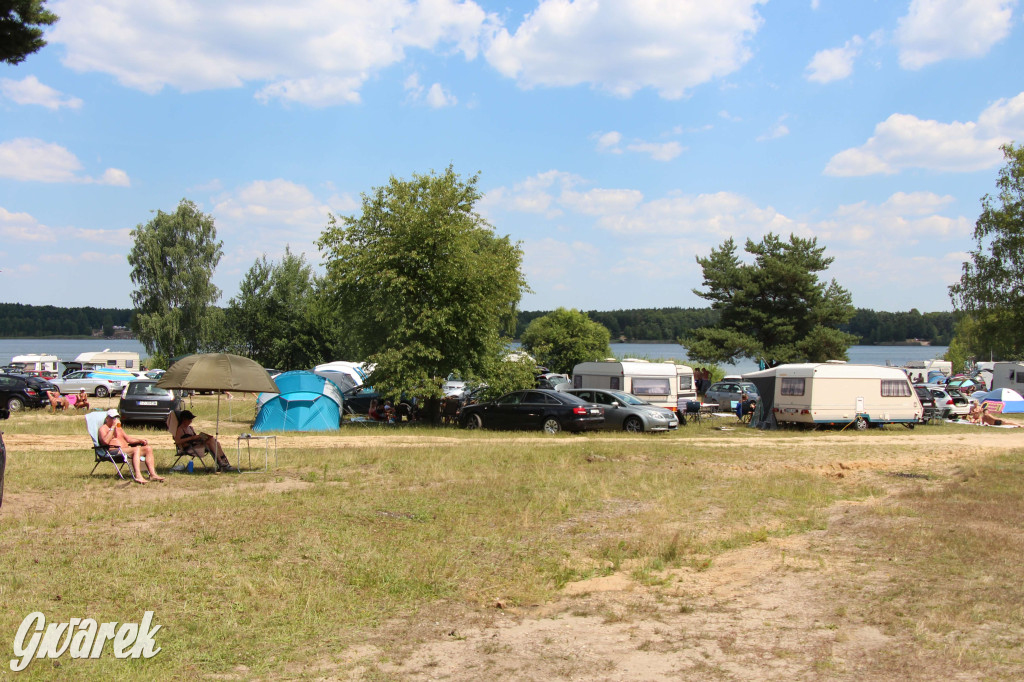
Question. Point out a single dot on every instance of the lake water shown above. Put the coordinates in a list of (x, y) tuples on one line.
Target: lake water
[(68, 349)]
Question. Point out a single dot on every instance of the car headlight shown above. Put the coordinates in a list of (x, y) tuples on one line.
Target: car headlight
[(656, 415)]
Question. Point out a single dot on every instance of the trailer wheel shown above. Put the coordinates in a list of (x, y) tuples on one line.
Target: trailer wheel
[(909, 425), (861, 424)]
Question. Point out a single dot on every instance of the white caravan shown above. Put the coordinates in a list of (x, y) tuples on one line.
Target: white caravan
[(39, 363), (109, 358), (655, 382), (685, 387), (919, 370), (1008, 375), (837, 393)]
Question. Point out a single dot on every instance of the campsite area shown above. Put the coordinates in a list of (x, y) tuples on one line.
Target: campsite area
[(416, 553)]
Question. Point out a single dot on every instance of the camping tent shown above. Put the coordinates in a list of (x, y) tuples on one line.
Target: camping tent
[(307, 402), (1011, 400)]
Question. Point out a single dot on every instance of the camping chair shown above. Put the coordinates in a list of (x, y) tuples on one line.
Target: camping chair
[(119, 459), (172, 426)]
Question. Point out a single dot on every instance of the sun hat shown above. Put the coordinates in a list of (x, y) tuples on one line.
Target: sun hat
[(113, 413), (185, 414)]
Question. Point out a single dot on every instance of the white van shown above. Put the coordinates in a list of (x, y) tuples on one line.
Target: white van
[(837, 393), (655, 382), (109, 358)]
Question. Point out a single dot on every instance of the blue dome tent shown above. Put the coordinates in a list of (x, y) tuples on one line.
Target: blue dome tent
[(307, 402)]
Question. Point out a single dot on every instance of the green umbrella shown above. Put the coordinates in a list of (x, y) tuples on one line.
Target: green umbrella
[(218, 372)]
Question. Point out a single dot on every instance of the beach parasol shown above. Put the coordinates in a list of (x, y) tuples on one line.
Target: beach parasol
[(218, 372)]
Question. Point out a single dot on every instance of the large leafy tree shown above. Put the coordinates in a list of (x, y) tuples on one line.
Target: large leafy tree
[(173, 259), (991, 288), (775, 308), (274, 315), (564, 338), (421, 282), (21, 31)]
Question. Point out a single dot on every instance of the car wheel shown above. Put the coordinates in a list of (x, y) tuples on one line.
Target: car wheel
[(474, 422), (861, 424), (102, 392), (15, 404), (552, 425), (633, 425)]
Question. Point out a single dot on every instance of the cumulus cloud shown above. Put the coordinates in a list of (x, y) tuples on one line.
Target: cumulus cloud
[(22, 227), (621, 46), (435, 96), (904, 141), (934, 30), (30, 91), (32, 159), (315, 52), (835, 64), (905, 218), (611, 143), (777, 131)]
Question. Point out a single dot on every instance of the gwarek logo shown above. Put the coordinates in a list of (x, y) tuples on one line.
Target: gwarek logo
[(82, 638)]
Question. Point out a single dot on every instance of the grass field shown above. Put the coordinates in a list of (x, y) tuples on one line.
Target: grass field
[(420, 553)]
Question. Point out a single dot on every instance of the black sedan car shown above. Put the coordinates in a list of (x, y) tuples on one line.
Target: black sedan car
[(18, 392), (540, 408), (145, 402)]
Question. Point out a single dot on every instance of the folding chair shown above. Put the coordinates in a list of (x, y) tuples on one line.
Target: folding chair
[(173, 419), (692, 411), (119, 459)]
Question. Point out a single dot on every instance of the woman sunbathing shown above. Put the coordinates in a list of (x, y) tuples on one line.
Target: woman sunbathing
[(198, 444)]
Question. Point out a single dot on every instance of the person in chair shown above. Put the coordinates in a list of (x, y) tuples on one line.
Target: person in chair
[(197, 444)]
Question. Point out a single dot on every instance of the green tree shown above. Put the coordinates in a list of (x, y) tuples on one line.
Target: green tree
[(273, 315), (421, 283), (991, 289), (173, 258), (564, 338), (21, 31), (775, 308)]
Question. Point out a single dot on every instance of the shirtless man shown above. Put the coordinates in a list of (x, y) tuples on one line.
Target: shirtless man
[(112, 437)]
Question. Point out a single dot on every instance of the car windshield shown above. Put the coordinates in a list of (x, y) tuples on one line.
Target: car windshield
[(146, 388), (628, 399)]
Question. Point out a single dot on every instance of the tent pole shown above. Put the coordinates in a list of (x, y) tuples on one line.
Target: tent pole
[(217, 428)]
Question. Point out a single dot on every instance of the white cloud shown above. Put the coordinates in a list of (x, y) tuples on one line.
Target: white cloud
[(30, 91), (835, 64), (611, 143), (934, 30), (659, 151), (903, 141), (777, 131), (438, 97), (621, 46), (904, 219), (31, 159), (21, 227), (316, 52)]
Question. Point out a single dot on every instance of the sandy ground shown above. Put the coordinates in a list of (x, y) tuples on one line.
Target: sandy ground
[(765, 612)]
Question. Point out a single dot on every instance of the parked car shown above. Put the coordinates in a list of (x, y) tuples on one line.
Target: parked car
[(725, 392), (624, 411), (934, 398), (558, 382), (18, 392), (144, 401), (357, 400), (951, 398), (85, 380), (546, 409)]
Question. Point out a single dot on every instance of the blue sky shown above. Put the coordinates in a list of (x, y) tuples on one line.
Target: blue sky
[(616, 139)]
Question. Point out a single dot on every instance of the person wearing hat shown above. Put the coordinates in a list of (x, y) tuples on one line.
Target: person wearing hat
[(113, 437), (197, 444)]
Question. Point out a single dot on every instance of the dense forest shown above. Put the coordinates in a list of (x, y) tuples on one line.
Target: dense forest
[(17, 320), (640, 324)]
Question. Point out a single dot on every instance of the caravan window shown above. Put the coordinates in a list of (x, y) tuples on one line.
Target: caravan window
[(793, 386), (650, 386), (685, 382), (895, 388), (613, 383)]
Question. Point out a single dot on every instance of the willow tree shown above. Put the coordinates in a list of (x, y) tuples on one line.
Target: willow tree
[(776, 308), (423, 285), (173, 258)]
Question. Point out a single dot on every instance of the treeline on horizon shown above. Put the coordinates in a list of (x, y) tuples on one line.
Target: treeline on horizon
[(639, 324)]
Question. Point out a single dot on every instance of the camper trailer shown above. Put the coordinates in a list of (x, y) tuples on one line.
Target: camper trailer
[(836, 393), (108, 358), (686, 389), (38, 363), (1008, 375), (655, 382)]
